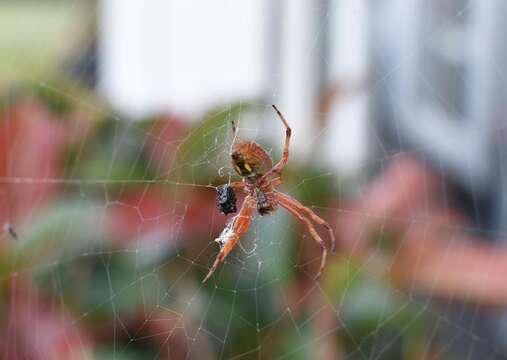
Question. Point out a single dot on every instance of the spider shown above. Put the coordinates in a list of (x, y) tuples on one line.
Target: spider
[(259, 179)]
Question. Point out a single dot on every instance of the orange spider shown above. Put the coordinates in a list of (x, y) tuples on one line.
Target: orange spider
[(256, 168)]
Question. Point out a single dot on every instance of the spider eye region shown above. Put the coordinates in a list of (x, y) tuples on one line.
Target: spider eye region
[(226, 199)]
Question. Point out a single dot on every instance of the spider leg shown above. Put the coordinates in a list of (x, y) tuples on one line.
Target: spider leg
[(297, 213), (237, 185), (278, 168), (276, 181), (233, 231), (311, 214), (234, 130)]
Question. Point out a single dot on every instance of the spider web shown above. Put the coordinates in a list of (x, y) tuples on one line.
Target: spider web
[(118, 252)]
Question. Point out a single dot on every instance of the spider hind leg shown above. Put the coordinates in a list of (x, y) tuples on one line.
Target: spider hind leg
[(278, 168)]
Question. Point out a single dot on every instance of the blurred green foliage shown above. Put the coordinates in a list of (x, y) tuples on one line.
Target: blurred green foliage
[(35, 36), (105, 281), (113, 284)]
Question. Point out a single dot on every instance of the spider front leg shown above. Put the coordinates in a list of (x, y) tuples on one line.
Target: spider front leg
[(233, 231), (297, 210), (300, 207), (237, 185)]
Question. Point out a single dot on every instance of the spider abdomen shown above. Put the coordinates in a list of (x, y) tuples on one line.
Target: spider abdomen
[(250, 160)]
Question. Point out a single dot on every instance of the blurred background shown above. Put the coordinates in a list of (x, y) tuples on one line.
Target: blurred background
[(115, 132)]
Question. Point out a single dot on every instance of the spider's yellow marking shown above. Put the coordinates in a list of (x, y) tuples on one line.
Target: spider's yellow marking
[(243, 169)]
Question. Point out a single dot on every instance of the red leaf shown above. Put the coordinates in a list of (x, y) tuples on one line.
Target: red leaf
[(31, 148)]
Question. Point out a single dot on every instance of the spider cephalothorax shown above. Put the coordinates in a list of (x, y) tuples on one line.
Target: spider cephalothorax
[(260, 177)]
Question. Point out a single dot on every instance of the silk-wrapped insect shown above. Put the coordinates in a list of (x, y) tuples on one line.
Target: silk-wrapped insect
[(226, 199)]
